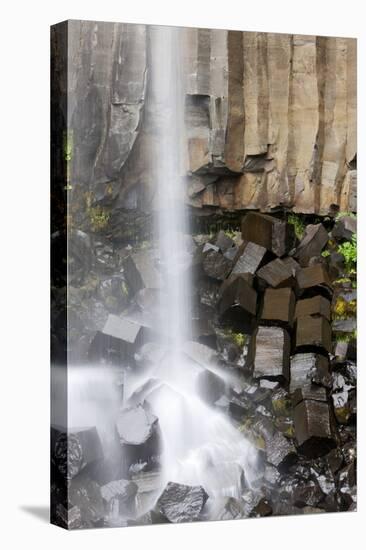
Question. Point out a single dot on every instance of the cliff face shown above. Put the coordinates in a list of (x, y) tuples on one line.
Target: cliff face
[(270, 118)]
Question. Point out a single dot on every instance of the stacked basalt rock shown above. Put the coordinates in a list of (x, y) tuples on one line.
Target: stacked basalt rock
[(296, 400)]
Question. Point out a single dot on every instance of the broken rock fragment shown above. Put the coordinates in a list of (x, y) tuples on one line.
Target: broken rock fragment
[(312, 243), (238, 302), (181, 503)]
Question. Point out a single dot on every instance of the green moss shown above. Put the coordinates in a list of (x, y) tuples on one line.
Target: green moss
[(344, 214), (231, 233), (68, 145), (342, 309), (98, 218), (124, 288), (238, 338), (282, 406), (299, 225), (325, 253), (349, 253), (342, 414), (345, 336)]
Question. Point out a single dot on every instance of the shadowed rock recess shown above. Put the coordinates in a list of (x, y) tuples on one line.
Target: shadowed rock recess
[(263, 420)]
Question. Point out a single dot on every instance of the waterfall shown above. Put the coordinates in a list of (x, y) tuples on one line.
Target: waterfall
[(200, 445)]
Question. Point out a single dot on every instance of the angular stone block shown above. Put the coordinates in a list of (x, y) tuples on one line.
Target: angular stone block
[(141, 270), (271, 233), (248, 258), (118, 340), (276, 274), (216, 265), (278, 305), (210, 386), (309, 391), (312, 243), (344, 228), (291, 263), (180, 503), (315, 275), (272, 353), (139, 433), (314, 332), (238, 302), (280, 451), (313, 430), (317, 305)]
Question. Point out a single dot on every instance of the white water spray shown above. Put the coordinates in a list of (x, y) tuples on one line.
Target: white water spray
[(200, 445)]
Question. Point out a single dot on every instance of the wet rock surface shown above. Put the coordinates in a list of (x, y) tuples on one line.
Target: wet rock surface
[(181, 503)]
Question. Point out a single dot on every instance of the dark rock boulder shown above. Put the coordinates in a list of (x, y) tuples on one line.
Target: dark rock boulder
[(210, 386), (270, 348), (278, 306), (317, 305), (271, 233), (313, 430), (313, 333), (344, 228), (117, 341), (312, 243), (215, 264), (238, 302), (280, 452), (313, 276), (181, 503), (141, 270), (248, 258), (276, 274), (262, 509)]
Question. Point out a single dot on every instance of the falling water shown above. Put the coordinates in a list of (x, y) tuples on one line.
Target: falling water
[(200, 445)]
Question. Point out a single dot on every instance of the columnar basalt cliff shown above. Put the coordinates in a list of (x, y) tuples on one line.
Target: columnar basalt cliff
[(270, 118)]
